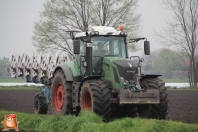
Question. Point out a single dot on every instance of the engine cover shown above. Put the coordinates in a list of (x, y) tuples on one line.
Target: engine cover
[(127, 69)]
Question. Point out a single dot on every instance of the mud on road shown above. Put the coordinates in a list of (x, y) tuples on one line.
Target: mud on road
[(183, 104)]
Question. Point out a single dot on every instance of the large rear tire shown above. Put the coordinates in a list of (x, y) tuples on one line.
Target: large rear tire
[(158, 111), (61, 102), (95, 96)]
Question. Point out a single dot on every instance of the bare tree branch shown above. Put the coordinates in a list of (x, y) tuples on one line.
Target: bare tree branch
[(182, 32)]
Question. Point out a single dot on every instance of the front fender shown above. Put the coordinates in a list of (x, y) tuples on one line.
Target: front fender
[(149, 76)]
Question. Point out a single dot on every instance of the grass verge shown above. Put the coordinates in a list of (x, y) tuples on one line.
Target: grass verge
[(90, 122), (25, 87), (14, 80)]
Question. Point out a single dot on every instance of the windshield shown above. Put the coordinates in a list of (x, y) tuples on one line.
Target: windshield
[(106, 46), (109, 46)]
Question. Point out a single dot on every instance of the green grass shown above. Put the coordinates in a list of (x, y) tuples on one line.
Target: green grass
[(25, 87), (90, 122), (14, 80), (175, 80)]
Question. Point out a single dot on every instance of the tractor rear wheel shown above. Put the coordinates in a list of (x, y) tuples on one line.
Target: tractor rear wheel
[(40, 105), (157, 111), (95, 96), (61, 102)]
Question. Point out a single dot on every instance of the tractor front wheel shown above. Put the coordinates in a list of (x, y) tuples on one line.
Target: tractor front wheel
[(61, 102), (157, 111), (95, 96)]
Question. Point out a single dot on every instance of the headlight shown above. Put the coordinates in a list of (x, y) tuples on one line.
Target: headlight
[(123, 33), (94, 33), (124, 81)]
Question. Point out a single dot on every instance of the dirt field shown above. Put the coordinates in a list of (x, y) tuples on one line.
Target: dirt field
[(183, 104)]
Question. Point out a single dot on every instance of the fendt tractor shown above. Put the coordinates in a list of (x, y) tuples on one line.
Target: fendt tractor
[(104, 79)]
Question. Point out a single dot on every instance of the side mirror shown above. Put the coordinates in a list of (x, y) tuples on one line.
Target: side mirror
[(76, 46), (146, 47)]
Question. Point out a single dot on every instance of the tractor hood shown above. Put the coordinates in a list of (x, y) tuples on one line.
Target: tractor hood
[(126, 69), (120, 70)]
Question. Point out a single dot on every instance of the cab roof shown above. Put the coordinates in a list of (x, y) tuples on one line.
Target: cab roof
[(103, 30)]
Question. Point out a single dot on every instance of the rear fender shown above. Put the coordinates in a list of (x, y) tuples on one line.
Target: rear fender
[(66, 70)]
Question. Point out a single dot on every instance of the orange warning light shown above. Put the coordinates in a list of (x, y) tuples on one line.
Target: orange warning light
[(121, 27)]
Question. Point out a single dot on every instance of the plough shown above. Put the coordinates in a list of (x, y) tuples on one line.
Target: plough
[(37, 68)]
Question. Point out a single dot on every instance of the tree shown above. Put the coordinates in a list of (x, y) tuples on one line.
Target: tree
[(147, 65), (167, 60), (184, 64), (181, 33), (3, 67), (61, 15)]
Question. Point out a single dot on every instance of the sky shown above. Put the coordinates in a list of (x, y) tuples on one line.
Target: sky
[(17, 18)]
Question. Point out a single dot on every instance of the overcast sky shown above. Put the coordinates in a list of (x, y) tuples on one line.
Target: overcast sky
[(17, 18)]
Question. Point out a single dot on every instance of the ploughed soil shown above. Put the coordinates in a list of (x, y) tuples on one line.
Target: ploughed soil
[(183, 104)]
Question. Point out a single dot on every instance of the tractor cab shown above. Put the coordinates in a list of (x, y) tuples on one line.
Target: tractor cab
[(102, 46), (95, 49)]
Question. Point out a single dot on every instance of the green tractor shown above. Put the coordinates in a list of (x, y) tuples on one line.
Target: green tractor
[(104, 79)]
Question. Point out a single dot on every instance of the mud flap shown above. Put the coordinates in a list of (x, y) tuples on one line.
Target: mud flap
[(139, 97)]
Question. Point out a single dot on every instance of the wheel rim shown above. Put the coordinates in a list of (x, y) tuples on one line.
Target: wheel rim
[(87, 101), (59, 97)]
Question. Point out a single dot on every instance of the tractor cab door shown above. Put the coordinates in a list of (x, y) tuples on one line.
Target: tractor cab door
[(100, 49), (81, 57)]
